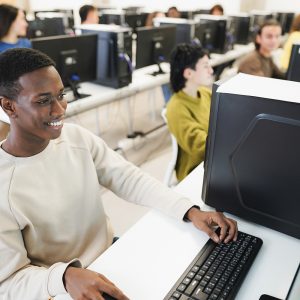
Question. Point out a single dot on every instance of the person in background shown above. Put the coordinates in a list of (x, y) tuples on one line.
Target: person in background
[(13, 27), (294, 37), (53, 223), (89, 14), (259, 62), (153, 15), (217, 10), (173, 12), (189, 107)]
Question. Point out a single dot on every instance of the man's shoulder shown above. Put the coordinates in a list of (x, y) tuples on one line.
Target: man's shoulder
[(253, 55)]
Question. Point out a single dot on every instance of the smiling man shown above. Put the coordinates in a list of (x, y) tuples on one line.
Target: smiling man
[(53, 224), (259, 62)]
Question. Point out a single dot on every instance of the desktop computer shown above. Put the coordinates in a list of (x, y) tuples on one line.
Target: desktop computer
[(285, 19), (75, 58), (293, 72), (212, 33), (239, 26), (114, 55), (252, 151), (154, 45)]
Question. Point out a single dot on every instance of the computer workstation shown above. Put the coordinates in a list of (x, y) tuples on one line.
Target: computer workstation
[(157, 250)]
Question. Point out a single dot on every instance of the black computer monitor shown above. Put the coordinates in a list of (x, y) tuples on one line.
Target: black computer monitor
[(257, 19), (239, 29), (252, 152), (285, 19), (293, 72), (75, 57), (154, 45), (135, 20), (45, 27), (211, 32)]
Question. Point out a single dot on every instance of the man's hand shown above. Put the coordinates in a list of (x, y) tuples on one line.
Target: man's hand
[(206, 220), (84, 284)]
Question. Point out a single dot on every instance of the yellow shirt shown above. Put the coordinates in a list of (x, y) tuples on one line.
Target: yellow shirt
[(293, 38), (188, 119)]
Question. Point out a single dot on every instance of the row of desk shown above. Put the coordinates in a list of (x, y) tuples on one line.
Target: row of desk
[(148, 259)]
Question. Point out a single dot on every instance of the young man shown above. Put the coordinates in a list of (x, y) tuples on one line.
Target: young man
[(53, 224), (189, 107), (260, 62), (88, 14)]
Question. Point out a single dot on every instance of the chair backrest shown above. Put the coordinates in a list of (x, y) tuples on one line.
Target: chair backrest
[(171, 166)]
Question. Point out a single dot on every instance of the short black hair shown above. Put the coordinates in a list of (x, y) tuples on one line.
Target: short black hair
[(84, 10), (8, 14), (268, 22), (16, 62), (182, 57)]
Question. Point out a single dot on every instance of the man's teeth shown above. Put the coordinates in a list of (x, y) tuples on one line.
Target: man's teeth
[(57, 123)]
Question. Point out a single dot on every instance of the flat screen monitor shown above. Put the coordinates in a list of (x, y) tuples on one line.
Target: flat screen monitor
[(257, 19), (75, 57), (134, 20), (185, 29), (211, 31), (46, 27), (285, 19), (239, 29), (252, 165), (293, 72), (154, 45)]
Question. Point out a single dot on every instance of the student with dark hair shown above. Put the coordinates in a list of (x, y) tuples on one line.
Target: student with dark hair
[(217, 10), (294, 37), (53, 224), (259, 62), (89, 14), (13, 25), (189, 107), (173, 12)]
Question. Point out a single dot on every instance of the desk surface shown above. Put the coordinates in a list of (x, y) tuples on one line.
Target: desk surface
[(148, 259), (141, 81)]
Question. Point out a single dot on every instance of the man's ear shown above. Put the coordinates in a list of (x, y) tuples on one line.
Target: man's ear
[(8, 106), (187, 73)]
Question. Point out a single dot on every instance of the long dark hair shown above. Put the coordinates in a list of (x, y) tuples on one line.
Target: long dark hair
[(8, 14)]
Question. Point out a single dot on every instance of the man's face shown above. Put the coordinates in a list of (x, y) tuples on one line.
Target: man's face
[(40, 106), (202, 75), (269, 39)]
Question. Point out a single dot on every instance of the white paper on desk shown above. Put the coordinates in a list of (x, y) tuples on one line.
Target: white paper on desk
[(270, 88)]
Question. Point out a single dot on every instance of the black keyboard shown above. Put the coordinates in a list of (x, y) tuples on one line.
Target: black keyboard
[(217, 271)]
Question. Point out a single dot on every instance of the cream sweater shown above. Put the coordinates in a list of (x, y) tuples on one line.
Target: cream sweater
[(51, 213)]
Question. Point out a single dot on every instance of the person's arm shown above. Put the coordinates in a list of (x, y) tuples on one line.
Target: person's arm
[(277, 73)]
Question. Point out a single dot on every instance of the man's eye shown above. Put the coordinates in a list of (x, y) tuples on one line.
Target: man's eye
[(61, 96), (44, 100)]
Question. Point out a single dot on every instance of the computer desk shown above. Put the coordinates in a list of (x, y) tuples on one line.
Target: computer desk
[(148, 259), (141, 81)]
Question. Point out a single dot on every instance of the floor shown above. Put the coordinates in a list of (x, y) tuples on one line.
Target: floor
[(151, 152)]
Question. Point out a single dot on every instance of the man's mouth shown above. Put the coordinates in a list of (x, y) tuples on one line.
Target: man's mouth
[(55, 123)]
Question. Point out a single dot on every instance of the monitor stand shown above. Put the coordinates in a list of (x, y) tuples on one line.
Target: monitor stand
[(74, 86), (160, 71)]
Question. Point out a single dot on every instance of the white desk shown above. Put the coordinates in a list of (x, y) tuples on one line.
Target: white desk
[(148, 259), (141, 81)]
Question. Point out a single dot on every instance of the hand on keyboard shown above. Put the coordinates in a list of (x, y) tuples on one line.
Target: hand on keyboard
[(206, 221)]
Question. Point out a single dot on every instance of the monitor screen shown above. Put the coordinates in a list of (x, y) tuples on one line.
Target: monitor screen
[(252, 151), (285, 19), (154, 45), (239, 29), (211, 32), (45, 27), (75, 56), (293, 72)]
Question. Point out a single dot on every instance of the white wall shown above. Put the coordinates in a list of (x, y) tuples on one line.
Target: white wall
[(230, 6), (283, 5)]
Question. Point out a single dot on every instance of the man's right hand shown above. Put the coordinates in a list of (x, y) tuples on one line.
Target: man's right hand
[(83, 284)]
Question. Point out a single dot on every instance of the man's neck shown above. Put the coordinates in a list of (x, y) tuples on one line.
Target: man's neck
[(21, 148), (191, 90), (265, 53)]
